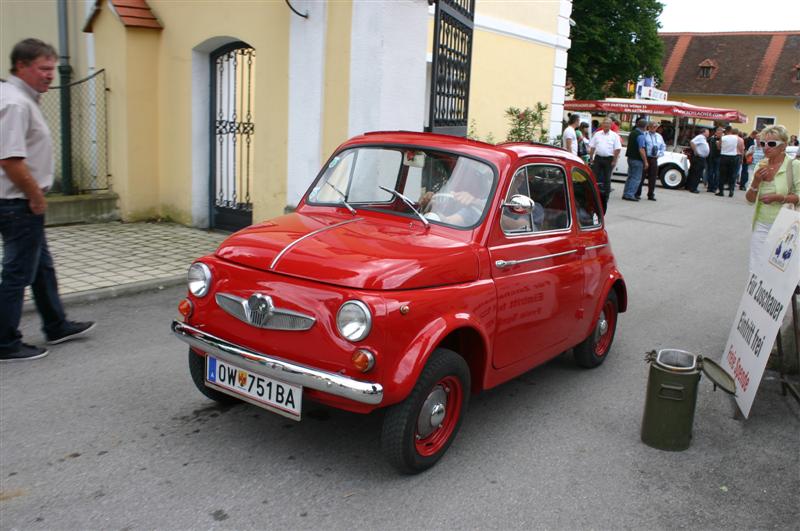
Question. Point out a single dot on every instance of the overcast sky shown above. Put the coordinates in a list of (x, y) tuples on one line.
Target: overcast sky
[(730, 15)]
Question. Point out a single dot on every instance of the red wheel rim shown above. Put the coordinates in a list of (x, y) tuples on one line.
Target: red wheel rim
[(604, 337), (435, 441)]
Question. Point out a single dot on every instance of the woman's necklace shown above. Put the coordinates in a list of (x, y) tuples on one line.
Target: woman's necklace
[(773, 166)]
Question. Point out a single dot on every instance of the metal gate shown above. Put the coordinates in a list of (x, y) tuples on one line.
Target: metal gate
[(232, 75), (450, 70), (81, 166)]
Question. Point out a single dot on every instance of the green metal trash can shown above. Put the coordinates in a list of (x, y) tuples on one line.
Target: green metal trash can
[(672, 396)]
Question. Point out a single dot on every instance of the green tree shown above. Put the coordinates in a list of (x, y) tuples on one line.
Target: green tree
[(613, 42)]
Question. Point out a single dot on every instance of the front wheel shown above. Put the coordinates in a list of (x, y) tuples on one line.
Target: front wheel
[(418, 431), (672, 177), (592, 351)]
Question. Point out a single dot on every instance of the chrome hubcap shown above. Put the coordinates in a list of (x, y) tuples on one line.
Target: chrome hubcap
[(602, 324), (433, 412)]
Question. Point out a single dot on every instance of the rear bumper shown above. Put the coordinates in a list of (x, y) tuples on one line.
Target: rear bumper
[(271, 367)]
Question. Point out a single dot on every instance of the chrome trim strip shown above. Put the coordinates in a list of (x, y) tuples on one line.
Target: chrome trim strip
[(240, 308), (309, 235), (593, 247), (272, 367), (508, 263)]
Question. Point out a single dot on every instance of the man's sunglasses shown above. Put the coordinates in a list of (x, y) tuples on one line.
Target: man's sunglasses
[(771, 143)]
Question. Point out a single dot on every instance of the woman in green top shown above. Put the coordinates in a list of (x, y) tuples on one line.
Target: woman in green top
[(770, 188)]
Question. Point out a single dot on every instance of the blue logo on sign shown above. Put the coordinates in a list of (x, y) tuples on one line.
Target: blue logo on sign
[(212, 369)]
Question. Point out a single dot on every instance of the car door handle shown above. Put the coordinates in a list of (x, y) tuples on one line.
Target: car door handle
[(508, 263)]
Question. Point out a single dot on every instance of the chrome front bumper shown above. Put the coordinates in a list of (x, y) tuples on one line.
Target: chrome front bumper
[(271, 367)]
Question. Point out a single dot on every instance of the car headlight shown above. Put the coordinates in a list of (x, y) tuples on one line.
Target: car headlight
[(354, 320), (199, 279)]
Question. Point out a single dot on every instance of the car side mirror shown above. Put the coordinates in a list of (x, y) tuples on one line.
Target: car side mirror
[(520, 204)]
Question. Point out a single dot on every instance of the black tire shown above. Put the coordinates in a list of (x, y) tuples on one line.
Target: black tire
[(593, 350), (446, 374), (197, 368)]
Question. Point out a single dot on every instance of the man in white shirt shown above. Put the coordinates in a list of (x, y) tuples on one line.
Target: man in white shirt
[(728, 162), (26, 174), (569, 140), (604, 151), (700, 152)]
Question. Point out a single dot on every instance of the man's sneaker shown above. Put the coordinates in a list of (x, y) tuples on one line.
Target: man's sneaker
[(70, 330), (25, 352)]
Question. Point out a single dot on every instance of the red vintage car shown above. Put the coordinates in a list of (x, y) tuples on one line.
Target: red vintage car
[(417, 269)]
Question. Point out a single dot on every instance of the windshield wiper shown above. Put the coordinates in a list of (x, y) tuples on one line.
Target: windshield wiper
[(408, 202), (344, 197)]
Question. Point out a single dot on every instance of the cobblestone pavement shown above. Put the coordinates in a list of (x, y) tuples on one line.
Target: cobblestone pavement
[(111, 255)]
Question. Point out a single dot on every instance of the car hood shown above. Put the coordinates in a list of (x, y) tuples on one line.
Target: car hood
[(355, 252)]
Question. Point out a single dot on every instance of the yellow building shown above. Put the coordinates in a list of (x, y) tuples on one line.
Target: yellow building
[(221, 113), (757, 73)]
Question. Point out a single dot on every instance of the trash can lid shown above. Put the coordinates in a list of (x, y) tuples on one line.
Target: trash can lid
[(717, 374)]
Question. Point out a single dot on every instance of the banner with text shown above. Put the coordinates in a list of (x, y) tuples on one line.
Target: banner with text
[(765, 301)]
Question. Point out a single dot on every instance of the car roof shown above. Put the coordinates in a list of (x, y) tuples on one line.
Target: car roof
[(499, 153)]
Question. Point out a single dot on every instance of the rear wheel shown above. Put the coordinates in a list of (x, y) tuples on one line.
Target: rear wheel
[(672, 177), (197, 368), (418, 431), (592, 351)]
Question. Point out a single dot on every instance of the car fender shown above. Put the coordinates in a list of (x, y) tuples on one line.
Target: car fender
[(419, 350)]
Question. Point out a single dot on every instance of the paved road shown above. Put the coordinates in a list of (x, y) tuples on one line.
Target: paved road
[(109, 433)]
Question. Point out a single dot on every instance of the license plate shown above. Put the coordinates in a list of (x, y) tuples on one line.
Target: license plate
[(274, 395)]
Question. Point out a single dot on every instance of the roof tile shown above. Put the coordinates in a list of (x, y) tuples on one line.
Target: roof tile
[(747, 63)]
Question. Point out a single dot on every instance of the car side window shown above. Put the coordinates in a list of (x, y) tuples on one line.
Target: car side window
[(516, 222), (589, 212), (548, 186)]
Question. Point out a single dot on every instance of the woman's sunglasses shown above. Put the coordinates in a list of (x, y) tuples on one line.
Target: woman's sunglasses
[(771, 143)]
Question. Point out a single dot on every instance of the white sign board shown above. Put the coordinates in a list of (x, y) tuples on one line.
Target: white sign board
[(766, 299), (651, 93)]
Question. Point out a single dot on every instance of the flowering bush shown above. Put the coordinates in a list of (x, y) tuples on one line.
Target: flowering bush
[(527, 125)]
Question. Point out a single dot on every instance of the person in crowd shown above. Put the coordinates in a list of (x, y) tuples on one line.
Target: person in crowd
[(756, 151), (604, 149), (771, 187), (651, 146), (26, 174), (712, 162), (728, 162), (583, 141), (747, 159), (614, 123), (793, 141), (595, 126), (739, 155), (700, 152), (569, 140), (636, 161)]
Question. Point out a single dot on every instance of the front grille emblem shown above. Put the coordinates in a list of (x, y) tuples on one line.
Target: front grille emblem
[(260, 309)]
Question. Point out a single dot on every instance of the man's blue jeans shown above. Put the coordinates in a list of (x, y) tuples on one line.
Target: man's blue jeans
[(26, 261), (635, 168)]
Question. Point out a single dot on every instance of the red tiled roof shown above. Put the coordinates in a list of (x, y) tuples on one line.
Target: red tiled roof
[(132, 13), (745, 63)]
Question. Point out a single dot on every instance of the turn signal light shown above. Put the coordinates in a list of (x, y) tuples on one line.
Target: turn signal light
[(363, 360), (185, 308)]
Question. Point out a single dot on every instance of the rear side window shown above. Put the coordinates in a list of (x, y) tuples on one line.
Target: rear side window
[(589, 211)]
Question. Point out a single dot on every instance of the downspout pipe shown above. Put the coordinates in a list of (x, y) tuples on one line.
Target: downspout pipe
[(65, 78)]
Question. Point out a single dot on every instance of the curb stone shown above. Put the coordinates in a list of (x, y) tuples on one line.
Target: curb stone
[(112, 292)]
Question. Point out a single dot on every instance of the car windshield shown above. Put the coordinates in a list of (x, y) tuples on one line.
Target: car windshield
[(443, 187)]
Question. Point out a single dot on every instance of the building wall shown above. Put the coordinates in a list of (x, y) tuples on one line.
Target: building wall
[(781, 108), (352, 66), (20, 19), (519, 59)]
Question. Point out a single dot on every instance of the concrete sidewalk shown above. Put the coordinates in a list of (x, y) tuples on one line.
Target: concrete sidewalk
[(111, 259)]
